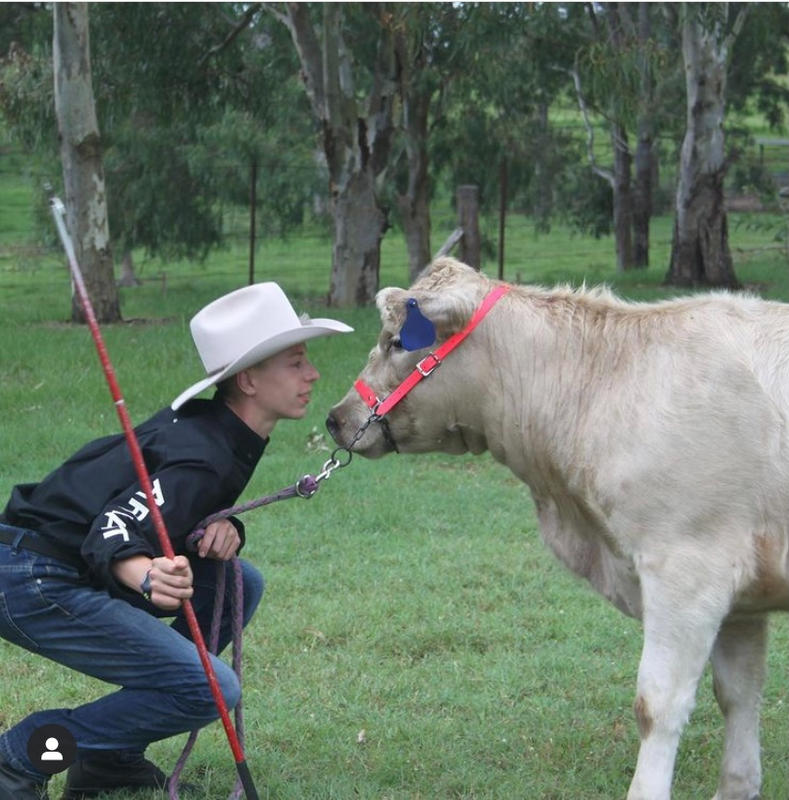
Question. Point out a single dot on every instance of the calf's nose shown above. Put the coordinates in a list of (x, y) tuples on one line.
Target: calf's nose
[(332, 425)]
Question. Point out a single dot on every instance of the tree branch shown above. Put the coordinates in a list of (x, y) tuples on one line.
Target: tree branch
[(337, 74), (603, 173), (272, 9), (626, 23), (297, 20), (246, 18), (736, 28), (382, 96), (451, 241)]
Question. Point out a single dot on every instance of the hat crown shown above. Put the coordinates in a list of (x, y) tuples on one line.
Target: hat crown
[(232, 325)]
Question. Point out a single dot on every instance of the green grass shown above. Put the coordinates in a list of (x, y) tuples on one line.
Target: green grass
[(412, 598)]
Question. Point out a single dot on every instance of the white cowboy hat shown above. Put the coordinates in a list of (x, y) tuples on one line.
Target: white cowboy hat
[(244, 327)]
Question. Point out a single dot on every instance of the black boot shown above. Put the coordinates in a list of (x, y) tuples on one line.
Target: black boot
[(103, 770), (18, 786)]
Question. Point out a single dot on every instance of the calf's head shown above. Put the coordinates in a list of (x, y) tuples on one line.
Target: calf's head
[(444, 297)]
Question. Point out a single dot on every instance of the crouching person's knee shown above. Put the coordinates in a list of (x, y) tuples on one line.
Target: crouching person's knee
[(201, 698), (229, 685)]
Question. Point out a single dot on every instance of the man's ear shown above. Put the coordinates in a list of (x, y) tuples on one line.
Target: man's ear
[(245, 382)]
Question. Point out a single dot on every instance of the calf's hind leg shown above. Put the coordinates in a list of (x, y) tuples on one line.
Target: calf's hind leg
[(738, 665)]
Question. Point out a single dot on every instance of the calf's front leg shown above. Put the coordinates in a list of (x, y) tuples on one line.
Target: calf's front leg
[(681, 619)]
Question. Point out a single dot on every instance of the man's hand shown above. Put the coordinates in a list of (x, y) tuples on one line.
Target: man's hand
[(171, 582), (220, 541), (171, 578)]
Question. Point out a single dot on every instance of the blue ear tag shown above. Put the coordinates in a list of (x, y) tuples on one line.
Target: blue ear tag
[(417, 331)]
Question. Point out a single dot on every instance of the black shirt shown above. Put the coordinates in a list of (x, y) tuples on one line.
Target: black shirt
[(199, 458)]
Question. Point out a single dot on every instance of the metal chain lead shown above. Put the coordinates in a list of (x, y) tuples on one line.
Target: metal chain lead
[(333, 462)]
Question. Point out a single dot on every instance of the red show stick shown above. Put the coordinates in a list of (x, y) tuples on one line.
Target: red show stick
[(58, 212)]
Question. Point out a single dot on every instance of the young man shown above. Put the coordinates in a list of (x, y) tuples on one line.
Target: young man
[(82, 578)]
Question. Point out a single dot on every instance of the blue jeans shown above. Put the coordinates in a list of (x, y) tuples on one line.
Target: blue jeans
[(45, 608)]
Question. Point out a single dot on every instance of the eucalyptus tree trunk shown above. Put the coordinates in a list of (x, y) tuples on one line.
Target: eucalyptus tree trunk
[(543, 199), (356, 136), (617, 178), (642, 193), (644, 159), (414, 202), (128, 275), (621, 184), (83, 170), (700, 254), (417, 84), (623, 199)]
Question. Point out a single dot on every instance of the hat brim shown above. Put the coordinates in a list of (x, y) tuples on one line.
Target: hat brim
[(276, 344)]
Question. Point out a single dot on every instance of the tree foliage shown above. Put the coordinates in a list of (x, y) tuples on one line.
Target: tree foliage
[(192, 97), (164, 103), (186, 115), (498, 109), (757, 74)]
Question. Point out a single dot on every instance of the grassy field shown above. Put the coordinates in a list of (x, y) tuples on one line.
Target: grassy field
[(417, 640)]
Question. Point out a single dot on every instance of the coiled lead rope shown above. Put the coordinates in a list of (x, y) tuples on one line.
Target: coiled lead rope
[(305, 488)]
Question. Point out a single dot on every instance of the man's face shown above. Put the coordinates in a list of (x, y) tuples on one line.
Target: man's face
[(283, 384)]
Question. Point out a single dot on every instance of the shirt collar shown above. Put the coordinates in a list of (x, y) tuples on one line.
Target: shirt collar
[(246, 443)]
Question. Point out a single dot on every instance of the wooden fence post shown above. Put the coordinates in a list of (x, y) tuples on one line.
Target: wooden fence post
[(468, 220), (253, 201), (503, 174)]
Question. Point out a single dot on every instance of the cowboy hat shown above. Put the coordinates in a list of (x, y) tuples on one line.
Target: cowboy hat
[(244, 327)]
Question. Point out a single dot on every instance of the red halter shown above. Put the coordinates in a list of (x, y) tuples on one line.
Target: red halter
[(431, 361)]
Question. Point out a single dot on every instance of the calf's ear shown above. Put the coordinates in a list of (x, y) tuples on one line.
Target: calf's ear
[(449, 310), (391, 303)]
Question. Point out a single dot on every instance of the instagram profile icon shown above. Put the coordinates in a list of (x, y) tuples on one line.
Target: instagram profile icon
[(51, 749)]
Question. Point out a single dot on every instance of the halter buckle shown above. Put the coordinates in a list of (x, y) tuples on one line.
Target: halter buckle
[(425, 371)]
